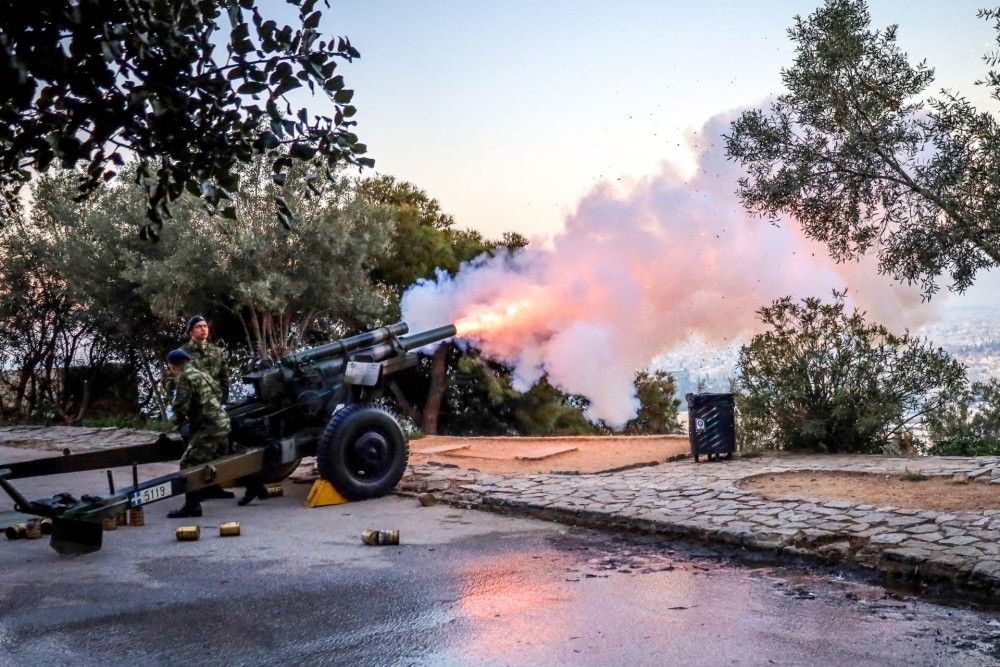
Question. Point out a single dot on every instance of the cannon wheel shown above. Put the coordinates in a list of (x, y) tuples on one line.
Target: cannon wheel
[(362, 452)]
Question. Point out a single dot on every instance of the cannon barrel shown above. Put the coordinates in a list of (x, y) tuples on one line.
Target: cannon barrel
[(427, 337), (384, 351), (344, 346)]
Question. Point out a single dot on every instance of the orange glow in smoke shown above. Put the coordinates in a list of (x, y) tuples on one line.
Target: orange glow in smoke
[(483, 319)]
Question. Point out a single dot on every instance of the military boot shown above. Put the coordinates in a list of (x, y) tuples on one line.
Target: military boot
[(191, 507), (252, 493)]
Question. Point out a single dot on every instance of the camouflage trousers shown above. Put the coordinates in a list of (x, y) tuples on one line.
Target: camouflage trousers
[(203, 447)]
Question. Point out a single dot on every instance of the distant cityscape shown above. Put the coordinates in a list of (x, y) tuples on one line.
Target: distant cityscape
[(971, 335)]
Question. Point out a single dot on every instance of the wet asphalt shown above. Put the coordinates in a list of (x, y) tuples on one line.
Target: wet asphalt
[(463, 588)]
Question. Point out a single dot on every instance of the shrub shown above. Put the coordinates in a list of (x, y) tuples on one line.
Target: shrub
[(822, 379), (968, 424), (657, 406)]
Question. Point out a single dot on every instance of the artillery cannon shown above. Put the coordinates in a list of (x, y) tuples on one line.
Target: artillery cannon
[(315, 402)]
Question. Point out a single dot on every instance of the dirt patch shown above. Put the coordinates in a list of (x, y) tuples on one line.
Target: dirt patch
[(936, 493), (530, 455)]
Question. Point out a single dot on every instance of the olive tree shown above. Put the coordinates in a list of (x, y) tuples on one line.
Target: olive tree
[(287, 287), (821, 377), (189, 88), (858, 154), (70, 315)]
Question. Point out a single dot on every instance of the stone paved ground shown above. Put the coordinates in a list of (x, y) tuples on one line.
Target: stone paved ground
[(703, 501)]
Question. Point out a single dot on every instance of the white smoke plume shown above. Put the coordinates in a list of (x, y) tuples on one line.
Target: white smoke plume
[(634, 274)]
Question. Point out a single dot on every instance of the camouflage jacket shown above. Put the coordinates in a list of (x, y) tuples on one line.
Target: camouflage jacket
[(196, 400), (211, 360)]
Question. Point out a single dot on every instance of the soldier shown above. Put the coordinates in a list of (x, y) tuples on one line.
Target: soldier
[(202, 420), (208, 358)]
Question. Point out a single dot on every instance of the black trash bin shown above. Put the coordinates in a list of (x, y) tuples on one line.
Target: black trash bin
[(711, 425)]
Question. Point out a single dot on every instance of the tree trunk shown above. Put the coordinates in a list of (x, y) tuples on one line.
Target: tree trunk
[(435, 393), (410, 410), (24, 376)]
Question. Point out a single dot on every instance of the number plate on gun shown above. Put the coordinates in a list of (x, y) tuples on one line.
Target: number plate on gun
[(365, 373), (152, 494)]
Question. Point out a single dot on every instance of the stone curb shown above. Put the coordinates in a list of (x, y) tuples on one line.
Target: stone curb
[(703, 502)]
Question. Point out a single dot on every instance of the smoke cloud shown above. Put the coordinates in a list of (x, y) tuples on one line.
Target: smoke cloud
[(637, 272)]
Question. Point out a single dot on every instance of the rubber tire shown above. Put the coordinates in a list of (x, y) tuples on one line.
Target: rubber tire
[(345, 427)]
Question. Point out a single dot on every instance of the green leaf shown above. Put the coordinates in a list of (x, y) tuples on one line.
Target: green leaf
[(301, 151), (251, 88), (291, 83), (334, 84), (267, 141)]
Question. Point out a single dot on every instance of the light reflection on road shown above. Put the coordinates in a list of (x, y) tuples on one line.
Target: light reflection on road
[(528, 603)]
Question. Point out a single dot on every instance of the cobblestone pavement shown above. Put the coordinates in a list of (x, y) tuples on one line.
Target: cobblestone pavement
[(703, 501)]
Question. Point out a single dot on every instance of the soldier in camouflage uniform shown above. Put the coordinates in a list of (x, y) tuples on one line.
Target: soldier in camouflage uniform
[(196, 408), (208, 358)]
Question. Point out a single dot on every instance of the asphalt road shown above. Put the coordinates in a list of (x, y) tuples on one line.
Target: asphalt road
[(464, 587)]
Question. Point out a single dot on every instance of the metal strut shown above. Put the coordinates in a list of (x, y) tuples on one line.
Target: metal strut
[(76, 521)]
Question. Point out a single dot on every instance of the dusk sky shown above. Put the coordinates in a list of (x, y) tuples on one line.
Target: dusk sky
[(510, 112)]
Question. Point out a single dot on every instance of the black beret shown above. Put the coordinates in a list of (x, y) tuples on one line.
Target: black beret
[(178, 356), (195, 319)]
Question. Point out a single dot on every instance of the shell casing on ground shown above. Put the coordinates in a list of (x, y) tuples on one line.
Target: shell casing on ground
[(274, 490), (16, 532), (121, 519), (188, 533), (380, 537), (109, 523), (229, 529), (136, 517), (427, 499)]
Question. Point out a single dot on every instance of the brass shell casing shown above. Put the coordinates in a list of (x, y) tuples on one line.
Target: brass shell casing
[(380, 537), (188, 533), (16, 532), (427, 499), (274, 491), (136, 517), (109, 523), (229, 529)]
